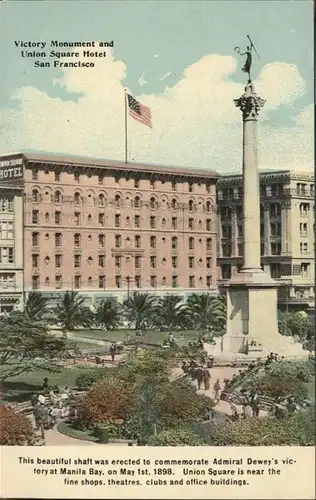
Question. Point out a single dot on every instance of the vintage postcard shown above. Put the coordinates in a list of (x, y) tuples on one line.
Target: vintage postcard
[(157, 249)]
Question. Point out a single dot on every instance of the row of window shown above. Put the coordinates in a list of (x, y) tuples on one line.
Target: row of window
[(6, 255), (275, 270), (302, 189), (102, 177), (7, 280), (6, 204), (119, 281), (274, 210), (6, 230), (275, 249), (58, 239), (118, 261), (78, 199), (118, 220)]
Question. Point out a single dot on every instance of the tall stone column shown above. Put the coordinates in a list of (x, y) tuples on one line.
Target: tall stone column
[(250, 104)]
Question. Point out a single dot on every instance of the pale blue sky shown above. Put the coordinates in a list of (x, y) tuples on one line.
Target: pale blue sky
[(181, 32)]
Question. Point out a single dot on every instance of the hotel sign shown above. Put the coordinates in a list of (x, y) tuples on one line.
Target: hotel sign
[(11, 169)]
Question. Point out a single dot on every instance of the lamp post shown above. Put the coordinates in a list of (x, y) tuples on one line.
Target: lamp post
[(128, 280)]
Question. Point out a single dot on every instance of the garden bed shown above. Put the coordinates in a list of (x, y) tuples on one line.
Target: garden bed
[(68, 430)]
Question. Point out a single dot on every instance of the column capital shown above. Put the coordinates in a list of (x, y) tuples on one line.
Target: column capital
[(249, 103)]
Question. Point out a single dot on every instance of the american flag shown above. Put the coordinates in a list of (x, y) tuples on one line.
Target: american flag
[(138, 111)]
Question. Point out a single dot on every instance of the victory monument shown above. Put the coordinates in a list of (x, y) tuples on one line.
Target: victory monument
[(252, 322)]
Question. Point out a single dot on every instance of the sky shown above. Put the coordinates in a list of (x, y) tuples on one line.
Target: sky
[(178, 58)]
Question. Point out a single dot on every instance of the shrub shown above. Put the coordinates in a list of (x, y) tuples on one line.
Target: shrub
[(175, 437), (145, 364), (15, 428), (178, 402), (107, 399), (297, 430), (283, 378), (275, 386), (88, 377)]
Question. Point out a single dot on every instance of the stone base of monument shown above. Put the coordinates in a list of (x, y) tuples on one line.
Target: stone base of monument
[(252, 319), (229, 347)]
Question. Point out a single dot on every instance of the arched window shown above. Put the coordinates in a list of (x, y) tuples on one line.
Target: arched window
[(57, 197), (117, 200), (35, 195), (208, 206), (153, 202), (191, 205), (101, 200), (174, 242), (137, 202), (174, 204), (77, 198)]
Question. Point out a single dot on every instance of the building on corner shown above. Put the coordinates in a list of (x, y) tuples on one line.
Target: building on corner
[(103, 228), (287, 232)]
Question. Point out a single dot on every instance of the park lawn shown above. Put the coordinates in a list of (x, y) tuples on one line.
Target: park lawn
[(85, 345), (20, 387), (150, 336)]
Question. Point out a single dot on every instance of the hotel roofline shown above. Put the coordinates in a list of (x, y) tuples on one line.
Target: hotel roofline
[(85, 161)]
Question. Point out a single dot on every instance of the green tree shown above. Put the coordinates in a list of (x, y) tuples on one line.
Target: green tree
[(26, 345), (71, 312), (170, 313), (35, 306), (108, 313), (208, 313), (139, 309), (298, 324)]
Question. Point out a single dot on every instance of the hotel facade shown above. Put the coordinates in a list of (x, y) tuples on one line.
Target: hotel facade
[(104, 228), (287, 227)]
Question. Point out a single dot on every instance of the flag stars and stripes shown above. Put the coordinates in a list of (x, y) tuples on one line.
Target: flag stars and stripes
[(138, 111)]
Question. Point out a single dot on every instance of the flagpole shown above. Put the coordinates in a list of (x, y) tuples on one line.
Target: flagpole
[(125, 101)]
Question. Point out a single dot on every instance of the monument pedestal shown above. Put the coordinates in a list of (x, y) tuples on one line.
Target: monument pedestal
[(251, 311), (252, 320)]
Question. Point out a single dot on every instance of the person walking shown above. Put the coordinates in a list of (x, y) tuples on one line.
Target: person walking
[(34, 399), (217, 388), (184, 367), (199, 376), (40, 415), (113, 351), (206, 379), (45, 384), (255, 403)]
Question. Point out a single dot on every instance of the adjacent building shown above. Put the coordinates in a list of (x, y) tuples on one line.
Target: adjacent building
[(103, 227), (287, 232)]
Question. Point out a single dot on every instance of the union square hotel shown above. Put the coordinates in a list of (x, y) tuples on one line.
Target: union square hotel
[(103, 228), (108, 228)]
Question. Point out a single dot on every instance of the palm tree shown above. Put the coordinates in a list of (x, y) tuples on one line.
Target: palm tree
[(35, 306), (208, 313), (170, 313), (72, 312), (108, 313), (139, 309)]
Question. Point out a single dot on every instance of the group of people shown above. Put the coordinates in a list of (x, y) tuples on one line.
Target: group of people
[(201, 373), (47, 405)]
